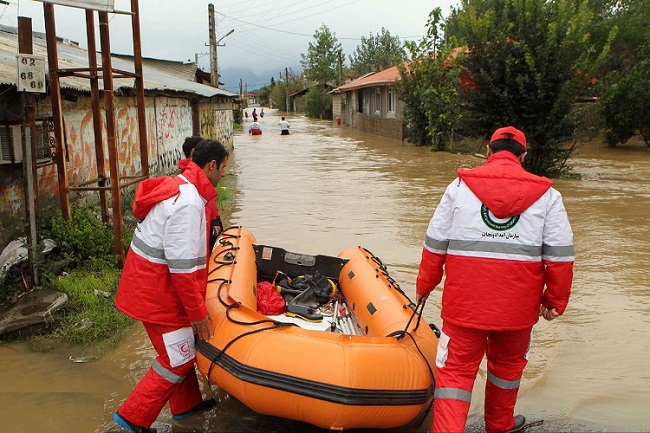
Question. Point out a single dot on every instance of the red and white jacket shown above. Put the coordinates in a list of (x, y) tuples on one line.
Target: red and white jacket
[(212, 210), (164, 277), (502, 235)]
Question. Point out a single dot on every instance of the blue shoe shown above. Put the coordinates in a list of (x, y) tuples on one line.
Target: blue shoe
[(124, 423), (204, 405)]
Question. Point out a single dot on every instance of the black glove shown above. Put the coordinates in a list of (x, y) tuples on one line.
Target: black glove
[(216, 227)]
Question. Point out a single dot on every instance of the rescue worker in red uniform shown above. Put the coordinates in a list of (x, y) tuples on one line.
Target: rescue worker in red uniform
[(215, 225), (505, 242), (255, 128), (163, 285)]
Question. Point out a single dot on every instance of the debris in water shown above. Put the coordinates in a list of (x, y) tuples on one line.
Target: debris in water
[(83, 359)]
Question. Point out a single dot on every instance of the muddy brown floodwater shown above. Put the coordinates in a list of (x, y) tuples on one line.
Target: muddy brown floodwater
[(325, 188)]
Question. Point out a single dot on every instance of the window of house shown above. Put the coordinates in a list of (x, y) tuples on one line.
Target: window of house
[(390, 103), (11, 144), (44, 139), (7, 154), (377, 102), (391, 100)]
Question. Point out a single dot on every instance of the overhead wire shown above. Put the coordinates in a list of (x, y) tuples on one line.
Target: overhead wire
[(299, 18), (280, 51), (260, 53), (263, 48), (286, 14), (260, 47), (252, 46)]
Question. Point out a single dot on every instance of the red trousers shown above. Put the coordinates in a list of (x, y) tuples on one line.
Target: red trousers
[(460, 351), (178, 385)]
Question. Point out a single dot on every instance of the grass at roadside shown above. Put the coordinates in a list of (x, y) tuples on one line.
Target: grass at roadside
[(91, 317), (226, 189), (85, 270)]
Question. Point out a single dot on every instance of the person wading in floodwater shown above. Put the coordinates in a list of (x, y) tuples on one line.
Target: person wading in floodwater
[(284, 126)]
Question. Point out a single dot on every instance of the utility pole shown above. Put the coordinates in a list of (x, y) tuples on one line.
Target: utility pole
[(340, 68), (25, 46), (214, 74), (286, 75), (241, 102)]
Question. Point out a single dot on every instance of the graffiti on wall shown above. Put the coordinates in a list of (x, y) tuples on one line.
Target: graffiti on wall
[(169, 121), (216, 123), (206, 119), (224, 127), (174, 123), (11, 198)]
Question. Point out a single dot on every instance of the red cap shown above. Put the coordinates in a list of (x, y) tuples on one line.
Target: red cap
[(509, 133)]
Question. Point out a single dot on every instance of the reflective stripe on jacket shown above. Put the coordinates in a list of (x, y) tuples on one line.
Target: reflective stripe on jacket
[(496, 268), (164, 276)]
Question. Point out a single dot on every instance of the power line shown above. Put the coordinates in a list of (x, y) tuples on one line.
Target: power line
[(284, 22), (260, 54), (280, 51), (286, 14)]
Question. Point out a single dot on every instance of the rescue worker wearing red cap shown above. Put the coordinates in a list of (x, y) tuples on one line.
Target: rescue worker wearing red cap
[(505, 242), (163, 285)]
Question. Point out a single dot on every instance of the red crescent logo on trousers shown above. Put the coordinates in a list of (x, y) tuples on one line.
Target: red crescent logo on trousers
[(184, 348)]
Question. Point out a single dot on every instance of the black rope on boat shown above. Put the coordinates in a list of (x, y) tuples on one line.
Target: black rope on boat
[(404, 333), (229, 259), (383, 270), (276, 325), (433, 379), (420, 305), (227, 252), (234, 305)]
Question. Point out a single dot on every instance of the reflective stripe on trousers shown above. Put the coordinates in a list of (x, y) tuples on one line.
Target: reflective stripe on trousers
[(166, 374), (162, 382), (460, 351), (507, 353)]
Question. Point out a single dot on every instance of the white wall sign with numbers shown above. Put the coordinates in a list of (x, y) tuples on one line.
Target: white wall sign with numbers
[(31, 74)]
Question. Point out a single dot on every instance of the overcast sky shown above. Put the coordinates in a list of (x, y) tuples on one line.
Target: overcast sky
[(269, 34)]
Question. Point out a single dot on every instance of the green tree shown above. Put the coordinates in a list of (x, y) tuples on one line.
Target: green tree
[(377, 52), (623, 24), (321, 60), (318, 103), (430, 88), (529, 61), (284, 87), (626, 105), (263, 94)]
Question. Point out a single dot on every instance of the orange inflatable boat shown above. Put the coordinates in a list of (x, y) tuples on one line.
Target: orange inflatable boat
[(375, 371)]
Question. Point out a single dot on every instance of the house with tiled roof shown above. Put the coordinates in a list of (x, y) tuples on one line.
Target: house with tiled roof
[(371, 104)]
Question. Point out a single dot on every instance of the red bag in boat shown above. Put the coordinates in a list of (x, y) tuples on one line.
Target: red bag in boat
[(269, 301)]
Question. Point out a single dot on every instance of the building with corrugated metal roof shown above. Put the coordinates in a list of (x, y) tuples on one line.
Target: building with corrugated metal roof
[(176, 106)]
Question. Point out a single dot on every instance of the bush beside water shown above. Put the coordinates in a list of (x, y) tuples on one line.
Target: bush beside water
[(84, 267)]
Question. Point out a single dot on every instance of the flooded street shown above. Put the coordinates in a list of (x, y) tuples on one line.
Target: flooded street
[(323, 189)]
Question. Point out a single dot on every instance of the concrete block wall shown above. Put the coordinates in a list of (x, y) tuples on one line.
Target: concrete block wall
[(389, 128)]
